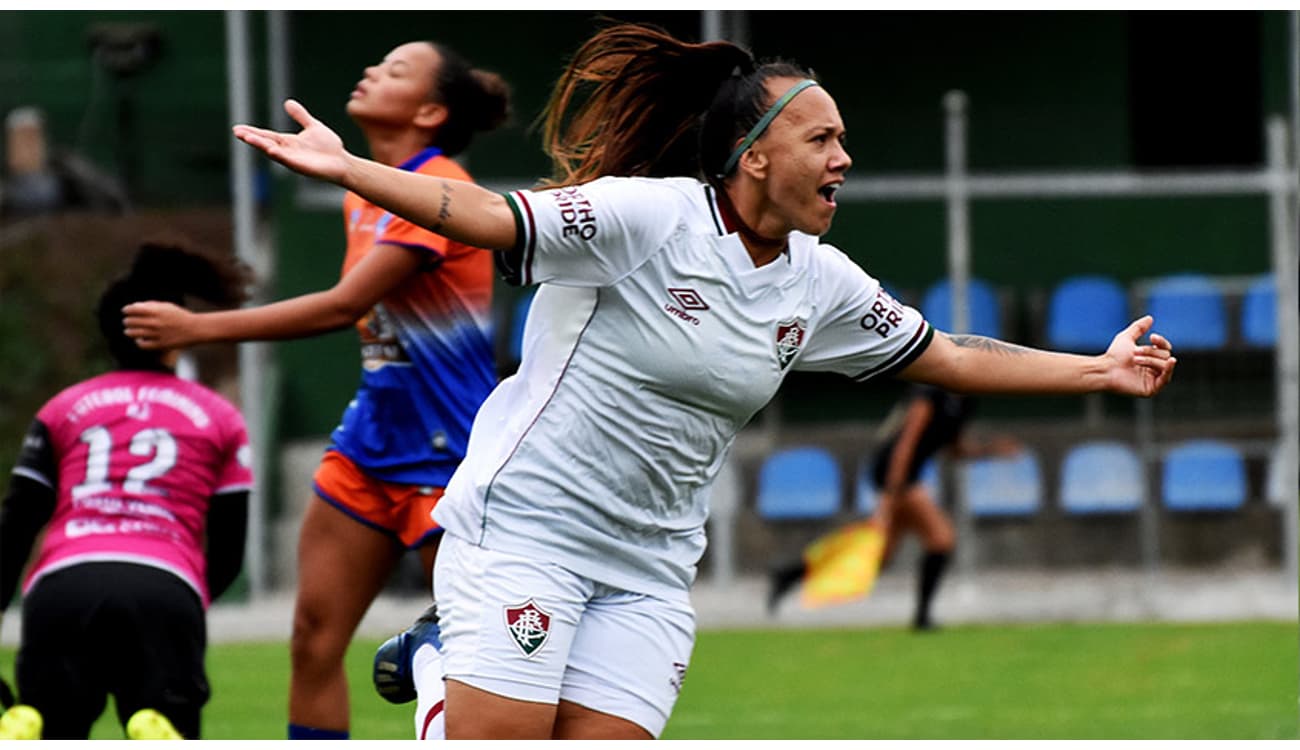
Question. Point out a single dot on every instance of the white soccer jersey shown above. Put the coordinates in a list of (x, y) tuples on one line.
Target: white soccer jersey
[(652, 340)]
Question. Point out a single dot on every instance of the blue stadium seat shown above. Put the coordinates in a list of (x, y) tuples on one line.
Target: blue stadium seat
[(799, 483), (1102, 477), (865, 495), (518, 316), (985, 313), (1259, 313), (1189, 310), (1010, 486), (1085, 312), (1204, 475)]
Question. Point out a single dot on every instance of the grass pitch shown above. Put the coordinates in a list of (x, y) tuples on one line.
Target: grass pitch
[(1122, 681)]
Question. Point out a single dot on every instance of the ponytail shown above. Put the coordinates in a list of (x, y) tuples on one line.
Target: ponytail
[(476, 100), (630, 104)]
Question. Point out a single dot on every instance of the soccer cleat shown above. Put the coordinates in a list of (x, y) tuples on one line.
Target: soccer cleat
[(21, 722), (392, 674), (148, 724)]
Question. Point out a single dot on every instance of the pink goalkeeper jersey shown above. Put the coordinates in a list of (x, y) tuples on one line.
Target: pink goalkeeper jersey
[(139, 456)]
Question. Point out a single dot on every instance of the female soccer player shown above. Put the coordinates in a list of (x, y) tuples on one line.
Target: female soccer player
[(422, 306), (139, 482), (682, 278), (928, 421)]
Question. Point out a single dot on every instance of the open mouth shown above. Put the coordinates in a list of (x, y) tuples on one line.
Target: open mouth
[(827, 192)]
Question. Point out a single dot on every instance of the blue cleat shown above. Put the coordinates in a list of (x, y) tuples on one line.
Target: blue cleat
[(392, 675)]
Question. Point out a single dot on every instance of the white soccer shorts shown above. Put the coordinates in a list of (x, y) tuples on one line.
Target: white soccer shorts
[(530, 630)]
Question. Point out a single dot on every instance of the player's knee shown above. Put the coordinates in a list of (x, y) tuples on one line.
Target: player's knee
[(943, 540), (313, 640)]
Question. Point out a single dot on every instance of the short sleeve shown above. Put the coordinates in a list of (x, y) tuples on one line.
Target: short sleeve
[(592, 234), (394, 230), (236, 470), (865, 333)]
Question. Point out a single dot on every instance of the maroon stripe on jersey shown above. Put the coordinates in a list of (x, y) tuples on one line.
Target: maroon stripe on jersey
[(530, 246), (918, 343), (428, 719)]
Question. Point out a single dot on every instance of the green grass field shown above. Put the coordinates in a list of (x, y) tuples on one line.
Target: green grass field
[(1147, 681)]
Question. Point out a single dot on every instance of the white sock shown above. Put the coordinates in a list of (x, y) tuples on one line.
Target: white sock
[(430, 720)]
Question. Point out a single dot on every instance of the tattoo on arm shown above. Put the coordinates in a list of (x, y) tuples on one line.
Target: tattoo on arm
[(989, 345), (444, 210)]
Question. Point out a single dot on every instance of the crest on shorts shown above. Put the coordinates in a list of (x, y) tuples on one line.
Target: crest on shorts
[(528, 626), (789, 339)]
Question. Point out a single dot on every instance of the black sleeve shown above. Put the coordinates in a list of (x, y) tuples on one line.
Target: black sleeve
[(27, 507), (510, 265), (227, 537)]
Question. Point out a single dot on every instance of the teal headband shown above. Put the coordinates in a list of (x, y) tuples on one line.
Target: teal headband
[(764, 121)]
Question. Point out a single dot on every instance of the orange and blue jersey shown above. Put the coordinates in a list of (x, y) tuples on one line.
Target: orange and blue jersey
[(426, 348)]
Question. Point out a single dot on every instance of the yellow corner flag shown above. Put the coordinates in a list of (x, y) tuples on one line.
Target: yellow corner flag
[(842, 565)]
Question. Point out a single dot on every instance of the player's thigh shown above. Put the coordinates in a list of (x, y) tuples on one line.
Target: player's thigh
[(626, 666), (161, 631), (342, 565), (54, 668), (476, 714), (507, 623), (575, 722), (927, 519)]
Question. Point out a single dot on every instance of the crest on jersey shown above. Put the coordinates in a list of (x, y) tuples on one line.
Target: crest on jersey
[(789, 339), (529, 626)]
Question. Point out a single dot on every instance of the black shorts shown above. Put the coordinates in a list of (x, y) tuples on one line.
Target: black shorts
[(132, 631), (880, 468)]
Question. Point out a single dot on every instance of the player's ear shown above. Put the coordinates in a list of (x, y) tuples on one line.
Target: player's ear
[(430, 115), (754, 162)]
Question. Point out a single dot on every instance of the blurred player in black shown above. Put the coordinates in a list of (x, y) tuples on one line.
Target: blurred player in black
[(927, 421)]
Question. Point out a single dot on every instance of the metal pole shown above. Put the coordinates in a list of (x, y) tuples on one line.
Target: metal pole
[(954, 104), (958, 205), (250, 354), (723, 25), (277, 70), (711, 26), (1281, 212), (1288, 298)]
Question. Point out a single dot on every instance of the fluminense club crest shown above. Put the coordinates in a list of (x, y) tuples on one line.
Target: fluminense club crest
[(789, 339), (528, 625)]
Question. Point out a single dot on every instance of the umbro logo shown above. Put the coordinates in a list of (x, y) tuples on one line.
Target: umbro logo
[(686, 299), (689, 299)]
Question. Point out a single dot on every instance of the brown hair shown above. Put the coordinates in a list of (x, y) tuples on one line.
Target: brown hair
[(476, 100), (166, 269), (635, 101)]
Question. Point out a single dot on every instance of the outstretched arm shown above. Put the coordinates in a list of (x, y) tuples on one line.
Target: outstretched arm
[(975, 364), (162, 325), (461, 211)]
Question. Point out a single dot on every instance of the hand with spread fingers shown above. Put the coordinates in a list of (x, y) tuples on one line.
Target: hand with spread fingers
[(315, 151), (1140, 369)]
